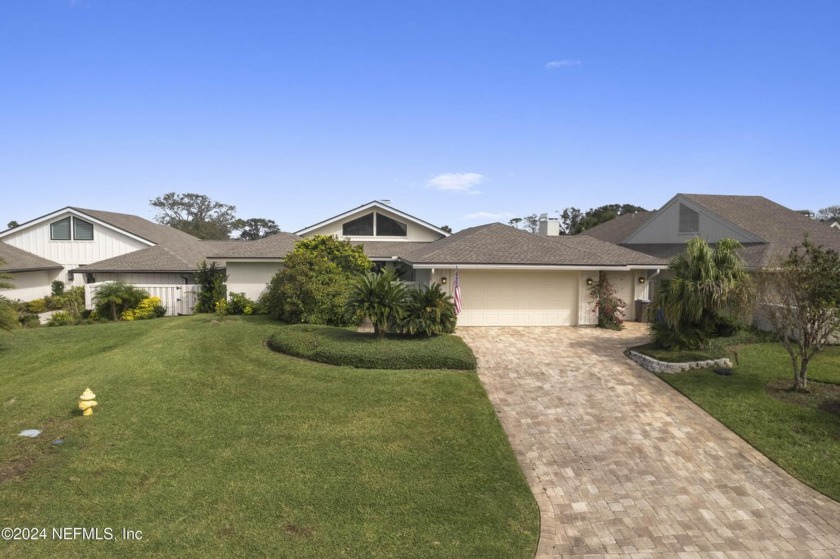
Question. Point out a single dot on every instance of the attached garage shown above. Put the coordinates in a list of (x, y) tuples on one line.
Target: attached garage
[(519, 298), (512, 278)]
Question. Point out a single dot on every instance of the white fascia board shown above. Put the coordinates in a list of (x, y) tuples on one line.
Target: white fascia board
[(368, 206), (71, 211), (621, 268)]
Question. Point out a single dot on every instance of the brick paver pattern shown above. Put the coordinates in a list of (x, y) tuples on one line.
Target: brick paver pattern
[(622, 465)]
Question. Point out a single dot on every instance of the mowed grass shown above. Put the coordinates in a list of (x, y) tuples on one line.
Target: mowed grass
[(800, 432), (213, 446)]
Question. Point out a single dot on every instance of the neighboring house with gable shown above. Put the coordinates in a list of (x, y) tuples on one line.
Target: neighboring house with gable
[(767, 230), (84, 247)]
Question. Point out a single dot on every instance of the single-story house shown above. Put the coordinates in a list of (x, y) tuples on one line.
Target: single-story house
[(507, 276)]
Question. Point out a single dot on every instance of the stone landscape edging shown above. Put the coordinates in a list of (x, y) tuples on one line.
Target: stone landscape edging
[(656, 366)]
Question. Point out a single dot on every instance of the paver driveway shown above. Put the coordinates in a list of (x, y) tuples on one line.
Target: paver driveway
[(623, 465)]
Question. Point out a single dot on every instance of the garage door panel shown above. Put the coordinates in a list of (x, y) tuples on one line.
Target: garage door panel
[(518, 298)]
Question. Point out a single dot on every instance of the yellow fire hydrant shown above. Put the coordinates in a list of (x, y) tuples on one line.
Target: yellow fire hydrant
[(87, 401)]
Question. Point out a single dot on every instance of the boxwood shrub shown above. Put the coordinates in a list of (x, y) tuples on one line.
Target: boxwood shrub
[(345, 346)]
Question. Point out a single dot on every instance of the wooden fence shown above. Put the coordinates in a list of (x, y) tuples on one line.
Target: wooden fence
[(179, 299)]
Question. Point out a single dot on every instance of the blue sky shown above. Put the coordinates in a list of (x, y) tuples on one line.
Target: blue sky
[(459, 112)]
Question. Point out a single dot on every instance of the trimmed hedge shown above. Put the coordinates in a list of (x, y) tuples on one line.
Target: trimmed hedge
[(346, 347)]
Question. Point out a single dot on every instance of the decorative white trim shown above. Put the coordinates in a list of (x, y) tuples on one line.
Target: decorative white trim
[(369, 206), (68, 211)]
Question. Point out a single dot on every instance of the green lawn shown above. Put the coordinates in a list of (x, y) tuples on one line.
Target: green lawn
[(212, 445), (799, 432)]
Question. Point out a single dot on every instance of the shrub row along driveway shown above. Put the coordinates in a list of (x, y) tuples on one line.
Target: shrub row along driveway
[(623, 465)]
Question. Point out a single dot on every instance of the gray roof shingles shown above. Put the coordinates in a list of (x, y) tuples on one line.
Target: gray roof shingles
[(781, 228), (17, 260), (497, 244), (617, 229)]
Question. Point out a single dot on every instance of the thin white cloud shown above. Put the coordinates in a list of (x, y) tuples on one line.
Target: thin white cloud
[(489, 216), (457, 182), (564, 63)]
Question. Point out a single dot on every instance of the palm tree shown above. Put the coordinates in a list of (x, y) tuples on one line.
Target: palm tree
[(708, 284), (117, 296), (380, 297), (428, 310)]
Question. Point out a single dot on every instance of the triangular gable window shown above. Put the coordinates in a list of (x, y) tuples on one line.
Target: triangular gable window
[(374, 225), (82, 230), (60, 230), (689, 220), (387, 227), (360, 227)]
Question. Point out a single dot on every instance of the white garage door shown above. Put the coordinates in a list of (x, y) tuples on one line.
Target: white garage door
[(518, 298)]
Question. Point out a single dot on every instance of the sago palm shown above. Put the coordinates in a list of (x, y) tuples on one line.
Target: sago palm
[(380, 297), (429, 311)]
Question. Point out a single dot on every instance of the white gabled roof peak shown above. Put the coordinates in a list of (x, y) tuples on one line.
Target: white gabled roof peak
[(375, 204)]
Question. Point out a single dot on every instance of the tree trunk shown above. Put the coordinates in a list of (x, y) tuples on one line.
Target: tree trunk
[(802, 376)]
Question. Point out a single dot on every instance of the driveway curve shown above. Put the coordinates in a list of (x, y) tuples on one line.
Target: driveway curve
[(622, 465)]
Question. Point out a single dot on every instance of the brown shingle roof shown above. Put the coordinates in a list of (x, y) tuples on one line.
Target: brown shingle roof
[(497, 244), (177, 258), (780, 227), (18, 260), (752, 253), (136, 225), (388, 249), (619, 228), (274, 246)]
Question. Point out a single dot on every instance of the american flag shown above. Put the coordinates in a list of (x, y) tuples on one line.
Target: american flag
[(457, 293)]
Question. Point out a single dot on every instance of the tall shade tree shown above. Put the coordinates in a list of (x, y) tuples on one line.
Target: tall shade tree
[(709, 286), (831, 213), (195, 214), (255, 228), (800, 301)]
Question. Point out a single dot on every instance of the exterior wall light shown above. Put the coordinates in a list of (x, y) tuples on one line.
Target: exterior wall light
[(590, 282), (443, 280), (641, 279)]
